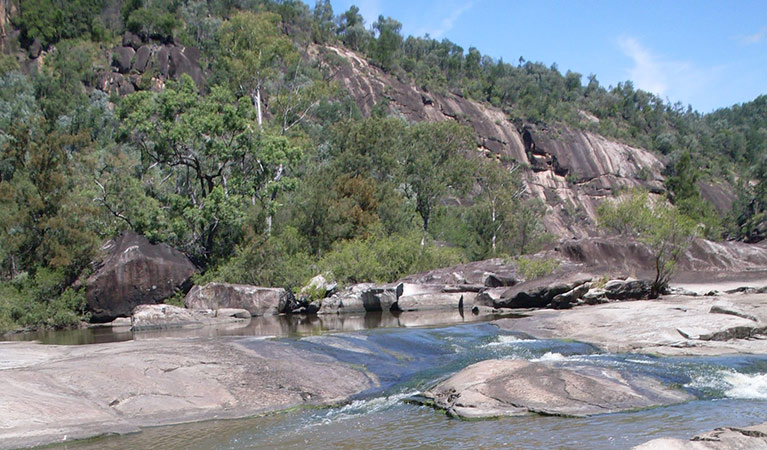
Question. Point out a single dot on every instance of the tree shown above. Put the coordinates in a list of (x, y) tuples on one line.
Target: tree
[(384, 50), (254, 51), (207, 150), (46, 212), (500, 197), (351, 28), (654, 222), (432, 164), (324, 28)]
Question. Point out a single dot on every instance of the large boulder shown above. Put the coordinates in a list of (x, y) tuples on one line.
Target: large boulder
[(115, 83), (540, 293), (182, 61), (259, 301), (141, 61), (35, 49), (363, 297), (628, 289), (154, 317), (135, 272), (496, 388), (131, 40), (439, 300), (122, 58)]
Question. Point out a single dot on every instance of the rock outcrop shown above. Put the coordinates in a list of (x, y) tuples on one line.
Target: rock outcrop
[(571, 170), (135, 272), (55, 394), (672, 325), (155, 317), (259, 301), (540, 293), (621, 255), (724, 438), (496, 388), (135, 59)]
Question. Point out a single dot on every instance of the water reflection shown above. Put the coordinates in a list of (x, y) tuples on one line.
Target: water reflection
[(280, 326)]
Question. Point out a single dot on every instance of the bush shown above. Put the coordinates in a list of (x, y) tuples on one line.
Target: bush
[(40, 301), (662, 227), (386, 259), (280, 260), (532, 268)]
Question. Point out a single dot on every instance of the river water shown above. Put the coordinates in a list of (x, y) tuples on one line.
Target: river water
[(730, 391)]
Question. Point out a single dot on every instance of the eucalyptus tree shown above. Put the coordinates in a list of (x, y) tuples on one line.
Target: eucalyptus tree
[(203, 156), (255, 51)]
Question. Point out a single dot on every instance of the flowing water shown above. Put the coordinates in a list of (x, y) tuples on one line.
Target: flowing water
[(730, 390)]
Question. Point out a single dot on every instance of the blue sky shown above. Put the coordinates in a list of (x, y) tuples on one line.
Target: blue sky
[(709, 54)]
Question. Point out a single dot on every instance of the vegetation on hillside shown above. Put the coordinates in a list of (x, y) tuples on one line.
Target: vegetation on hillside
[(269, 174)]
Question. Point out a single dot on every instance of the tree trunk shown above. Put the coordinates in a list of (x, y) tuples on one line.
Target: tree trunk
[(495, 230), (258, 108)]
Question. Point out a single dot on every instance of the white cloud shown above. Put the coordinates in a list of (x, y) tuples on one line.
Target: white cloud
[(446, 24), (675, 80), (648, 72), (750, 39), (370, 10)]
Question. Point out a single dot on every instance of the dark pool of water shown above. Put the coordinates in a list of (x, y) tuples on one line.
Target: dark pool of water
[(278, 326)]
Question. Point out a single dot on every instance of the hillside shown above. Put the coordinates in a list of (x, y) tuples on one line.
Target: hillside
[(270, 141)]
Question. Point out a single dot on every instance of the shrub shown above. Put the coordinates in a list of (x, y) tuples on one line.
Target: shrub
[(662, 227), (532, 268), (385, 259)]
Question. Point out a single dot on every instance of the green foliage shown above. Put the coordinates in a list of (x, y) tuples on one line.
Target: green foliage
[(176, 299), (280, 259), (270, 173), (385, 258), (532, 268), (42, 300), (662, 227), (8, 63), (52, 20), (218, 161), (684, 194)]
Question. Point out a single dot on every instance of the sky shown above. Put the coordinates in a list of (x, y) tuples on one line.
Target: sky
[(708, 54)]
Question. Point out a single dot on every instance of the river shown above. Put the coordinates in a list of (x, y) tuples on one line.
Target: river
[(730, 390)]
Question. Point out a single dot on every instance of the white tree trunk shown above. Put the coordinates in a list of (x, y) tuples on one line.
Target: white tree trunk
[(258, 108)]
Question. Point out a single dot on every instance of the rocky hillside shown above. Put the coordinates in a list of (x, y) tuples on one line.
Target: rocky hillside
[(570, 170)]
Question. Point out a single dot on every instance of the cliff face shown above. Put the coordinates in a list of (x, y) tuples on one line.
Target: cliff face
[(571, 170)]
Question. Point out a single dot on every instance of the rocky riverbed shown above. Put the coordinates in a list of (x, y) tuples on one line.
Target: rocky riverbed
[(60, 393)]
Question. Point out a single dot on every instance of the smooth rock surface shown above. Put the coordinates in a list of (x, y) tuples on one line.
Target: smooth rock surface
[(363, 297), (441, 300), (135, 272), (724, 438), (54, 394), (259, 301), (671, 325), (153, 317), (495, 388)]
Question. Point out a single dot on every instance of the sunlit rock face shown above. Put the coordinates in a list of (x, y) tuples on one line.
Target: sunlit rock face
[(571, 170)]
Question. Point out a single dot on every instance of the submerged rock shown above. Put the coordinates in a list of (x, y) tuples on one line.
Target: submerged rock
[(496, 388), (724, 438)]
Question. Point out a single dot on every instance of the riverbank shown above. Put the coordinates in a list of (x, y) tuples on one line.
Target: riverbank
[(58, 393), (673, 325), (61, 393)]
